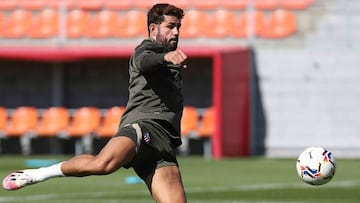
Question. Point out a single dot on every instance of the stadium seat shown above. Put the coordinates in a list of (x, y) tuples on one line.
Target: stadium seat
[(221, 22), (118, 5), (189, 120), (45, 24), (17, 24), (194, 24), (266, 4), (205, 4), (8, 4), (295, 4), (77, 23), (234, 4), (132, 24), (32, 5), (88, 4), (110, 122), (3, 118), (68, 4), (103, 25), (184, 4), (207, 124), (52, 121), (281, 23), (144, 4), (84, 122), (242, 27), (21, 121)]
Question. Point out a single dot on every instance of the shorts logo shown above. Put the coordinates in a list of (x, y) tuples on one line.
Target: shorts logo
[(147, 138)]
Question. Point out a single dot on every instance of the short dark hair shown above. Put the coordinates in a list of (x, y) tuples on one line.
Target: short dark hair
[(157, 12)]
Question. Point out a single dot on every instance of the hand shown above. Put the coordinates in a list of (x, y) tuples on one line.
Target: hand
[(176, 57)]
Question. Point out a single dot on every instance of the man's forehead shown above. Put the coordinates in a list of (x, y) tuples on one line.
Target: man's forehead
[(171, 19)]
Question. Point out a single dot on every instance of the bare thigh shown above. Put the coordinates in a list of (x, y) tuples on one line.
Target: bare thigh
[(166, 185)]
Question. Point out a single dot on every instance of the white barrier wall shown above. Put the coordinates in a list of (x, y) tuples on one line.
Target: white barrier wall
[(311, 98)]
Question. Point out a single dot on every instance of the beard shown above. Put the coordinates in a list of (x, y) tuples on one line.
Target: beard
[(169, 45)]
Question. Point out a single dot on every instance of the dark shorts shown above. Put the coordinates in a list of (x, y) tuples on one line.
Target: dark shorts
[(155, 146)]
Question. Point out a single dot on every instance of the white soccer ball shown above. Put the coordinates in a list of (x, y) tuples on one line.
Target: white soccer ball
[(316, 166)]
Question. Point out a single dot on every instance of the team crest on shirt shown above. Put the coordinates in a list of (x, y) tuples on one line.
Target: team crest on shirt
[(147, 137)]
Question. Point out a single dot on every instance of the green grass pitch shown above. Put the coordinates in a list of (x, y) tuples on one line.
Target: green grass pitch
[(257, 180)]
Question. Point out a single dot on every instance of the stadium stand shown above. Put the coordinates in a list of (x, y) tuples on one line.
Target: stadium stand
[(110, 122), (21, 121), (222, 23), (17, 24), (189, 120), (32, 5), (205, 4), (242, 27), (77, 23), (280, 24), (45, 24), (132, 24), (3, 119), (88, 4), (195, 24), (295, 4), (265, 4), (104, 24), (52, 121), (118, 5), (8, 4), (206, 125)]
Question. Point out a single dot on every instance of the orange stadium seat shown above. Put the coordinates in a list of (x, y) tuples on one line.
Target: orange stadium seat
[(189, 120), (104, 24), (207, 124), (89, 4), (234, 4), (32, 5), (242, 27), (68, 4), (45, 24), (52, 121), (17, 24), (22, 120), (77, 23), (118, 5), (3, 118), (132, 24), (280, 24), (110, 123), (84, 121), (184, 4), (194, 24), (266, 4), (205, 4), (221, 22), (8, 4), (295, 4)]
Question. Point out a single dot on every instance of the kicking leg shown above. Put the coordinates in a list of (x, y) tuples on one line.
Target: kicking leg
[(117, 152)]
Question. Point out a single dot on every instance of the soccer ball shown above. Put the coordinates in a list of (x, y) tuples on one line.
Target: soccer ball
[(316, 166)]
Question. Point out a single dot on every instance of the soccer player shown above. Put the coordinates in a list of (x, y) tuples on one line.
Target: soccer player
[(149, 130)]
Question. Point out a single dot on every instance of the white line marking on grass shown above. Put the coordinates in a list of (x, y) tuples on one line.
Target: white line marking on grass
[(254, 187)]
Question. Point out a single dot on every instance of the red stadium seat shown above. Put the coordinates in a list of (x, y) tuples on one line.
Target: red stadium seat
[(77, 23), (281, 23), (132, 24), (22, 120), (52, 121), (189, 120), (110, 123), (235, 4), (104, 24), (295, 4), (45, 24), (266, 4), (32, 5), (194, 24), (17, 24), (242, 27), (221, 22), (118, 5), (8, 4)]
